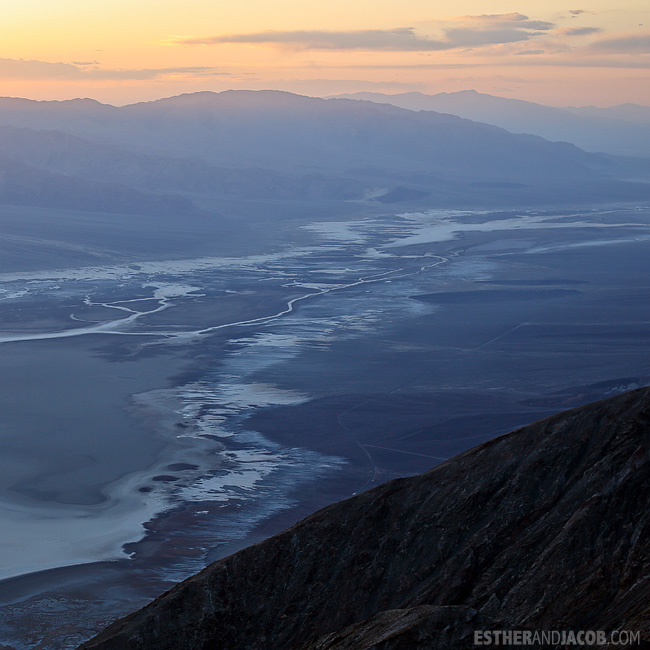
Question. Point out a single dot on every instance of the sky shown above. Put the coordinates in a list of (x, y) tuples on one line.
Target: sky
[(595, 52)]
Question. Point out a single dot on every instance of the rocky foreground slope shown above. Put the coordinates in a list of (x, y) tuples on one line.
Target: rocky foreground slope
[(546, 528)]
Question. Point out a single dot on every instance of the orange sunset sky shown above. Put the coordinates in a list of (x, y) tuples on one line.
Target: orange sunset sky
[(123, 51)]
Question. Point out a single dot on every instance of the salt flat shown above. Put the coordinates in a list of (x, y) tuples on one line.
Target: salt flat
[(196, 403)]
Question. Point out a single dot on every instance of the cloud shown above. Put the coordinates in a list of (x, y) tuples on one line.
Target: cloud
[(33, 69), (403, 38), (630, 63), (630, 44), (22, 69), (514, 19), (576, 12), (463, 37), (155, 73), (463, 32), (580, 31), (530, 52)]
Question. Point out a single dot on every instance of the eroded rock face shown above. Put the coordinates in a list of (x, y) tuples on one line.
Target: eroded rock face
[(545, 528), (425, 627)]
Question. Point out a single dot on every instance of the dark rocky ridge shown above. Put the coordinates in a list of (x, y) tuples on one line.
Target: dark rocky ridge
[(545, 528)]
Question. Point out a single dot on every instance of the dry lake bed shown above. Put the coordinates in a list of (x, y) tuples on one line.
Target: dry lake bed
[(159, 411)]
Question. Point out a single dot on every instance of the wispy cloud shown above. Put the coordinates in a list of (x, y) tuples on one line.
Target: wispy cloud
[(538, 60), (156, 73), (89, 70), (403, 38), (463, 32), (514, 19), (31, 69), (627, 44), (580, 31), (465, 37)]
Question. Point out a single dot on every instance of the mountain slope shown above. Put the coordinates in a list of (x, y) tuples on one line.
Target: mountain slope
[(22, 184), (622, 130), (306, 135), (633, 113), (62, 153), (544, 528), (276, 145)]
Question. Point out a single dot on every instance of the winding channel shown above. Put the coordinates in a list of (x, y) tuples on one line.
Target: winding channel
[(115, 327)]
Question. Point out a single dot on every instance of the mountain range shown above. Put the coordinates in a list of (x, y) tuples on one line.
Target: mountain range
[(175, 152), (623, 130), (545, 528)]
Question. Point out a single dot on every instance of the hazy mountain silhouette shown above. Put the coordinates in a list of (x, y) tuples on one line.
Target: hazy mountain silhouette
[(60, 152), (270, 144), (622, 130), (24, 185), (633, 113)]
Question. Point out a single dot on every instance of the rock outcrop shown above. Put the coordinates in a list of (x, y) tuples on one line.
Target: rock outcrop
[(545, 528)]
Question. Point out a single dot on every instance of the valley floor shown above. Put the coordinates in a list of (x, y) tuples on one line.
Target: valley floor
[(198, 403)]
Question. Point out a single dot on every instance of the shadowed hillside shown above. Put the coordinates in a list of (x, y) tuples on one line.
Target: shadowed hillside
[(543, 528)]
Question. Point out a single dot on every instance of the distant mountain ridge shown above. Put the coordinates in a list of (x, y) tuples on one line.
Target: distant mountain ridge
[(545, 528), (621, 130), (277, 145), (293, 133)]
